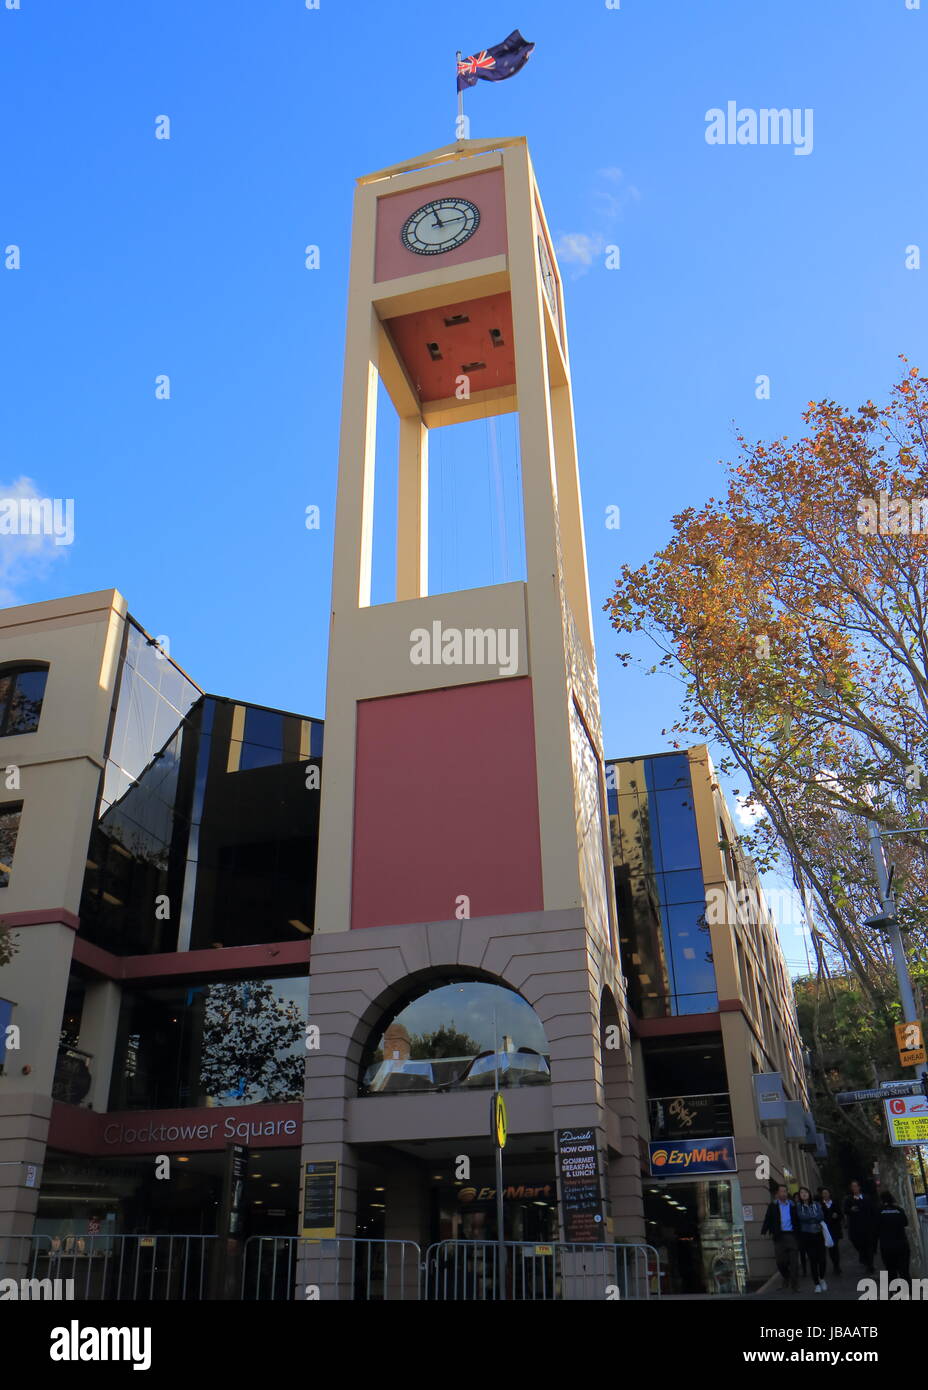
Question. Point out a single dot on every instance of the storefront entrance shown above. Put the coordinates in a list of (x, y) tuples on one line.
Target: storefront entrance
[(467, 1211), (420, 1198), (97, 1197), (698, 1239)]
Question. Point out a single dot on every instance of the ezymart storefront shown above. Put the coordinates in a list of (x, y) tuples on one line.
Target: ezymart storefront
[(694, 1215)]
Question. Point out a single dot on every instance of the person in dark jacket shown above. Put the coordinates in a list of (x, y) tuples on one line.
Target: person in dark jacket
[(782, 1223), (861, 1225), (894, 1246), (811, 1239), (831, 1215)]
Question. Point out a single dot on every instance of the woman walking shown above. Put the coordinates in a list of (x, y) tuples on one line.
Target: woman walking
[(894, 1246), (811, 1239), (831, 1215)]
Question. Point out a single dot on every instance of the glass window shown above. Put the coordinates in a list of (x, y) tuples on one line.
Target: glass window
[(227, 1043), (685, 886), (677, 844), (188, 851), (671, 771), (263, 745), (154, 697), (458, 1035), (9, 829), (691, 950), (22, 690)]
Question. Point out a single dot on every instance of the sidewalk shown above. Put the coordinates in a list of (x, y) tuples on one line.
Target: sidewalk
[(841, 1288)]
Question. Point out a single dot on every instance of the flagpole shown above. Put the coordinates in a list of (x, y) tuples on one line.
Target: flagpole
[(459, 130)]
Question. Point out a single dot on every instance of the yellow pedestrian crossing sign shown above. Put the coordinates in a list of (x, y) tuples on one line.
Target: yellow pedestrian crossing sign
[(500, 1120)]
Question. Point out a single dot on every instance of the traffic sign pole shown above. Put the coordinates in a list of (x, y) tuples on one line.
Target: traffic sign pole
[(495, 1131), (895, 941), (891, 927)]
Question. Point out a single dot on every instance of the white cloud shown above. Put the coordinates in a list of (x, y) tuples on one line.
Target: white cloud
[(24, 558), (576, 248), (748, 812), (609, 199)]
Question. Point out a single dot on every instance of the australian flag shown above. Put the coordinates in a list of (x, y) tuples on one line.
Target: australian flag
[(495, 64)]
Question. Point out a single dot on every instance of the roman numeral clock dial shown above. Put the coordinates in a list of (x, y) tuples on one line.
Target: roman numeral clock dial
[(440, 226)]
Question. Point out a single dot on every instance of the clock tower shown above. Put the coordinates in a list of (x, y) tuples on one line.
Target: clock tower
[(464, 834)]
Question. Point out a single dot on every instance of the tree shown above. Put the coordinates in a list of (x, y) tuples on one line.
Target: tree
[(854, 1048), (444, 1042), (247, 1032), (799, 635), (793, 611)]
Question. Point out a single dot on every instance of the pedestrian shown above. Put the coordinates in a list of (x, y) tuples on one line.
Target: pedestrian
[(894, 1246), (861, 1224), (831, 1214), (782, 1223), (811, 1238)]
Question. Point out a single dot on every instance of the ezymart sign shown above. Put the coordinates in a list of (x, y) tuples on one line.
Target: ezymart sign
[(907, 1120), (671, 1158)]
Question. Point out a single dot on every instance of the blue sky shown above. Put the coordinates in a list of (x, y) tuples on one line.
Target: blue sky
[(186, 257)]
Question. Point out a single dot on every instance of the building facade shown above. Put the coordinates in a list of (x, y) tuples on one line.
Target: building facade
[(158, 883), (491, 907), (713, 1020)]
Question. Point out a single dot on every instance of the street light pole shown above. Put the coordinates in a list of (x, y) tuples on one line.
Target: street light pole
[(891, 927)]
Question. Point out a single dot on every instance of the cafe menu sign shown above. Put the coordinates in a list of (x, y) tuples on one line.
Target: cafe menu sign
[(581, 1198)]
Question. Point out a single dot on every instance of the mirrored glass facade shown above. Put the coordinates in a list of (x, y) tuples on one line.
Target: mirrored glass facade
[(665, 940), (458, 1035), (208, 821), (223, 1043)]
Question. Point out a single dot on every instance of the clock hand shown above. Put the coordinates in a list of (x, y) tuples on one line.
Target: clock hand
[(438, 221)]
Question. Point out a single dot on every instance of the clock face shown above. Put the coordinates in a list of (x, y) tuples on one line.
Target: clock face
[(547, 276), (440, 226)]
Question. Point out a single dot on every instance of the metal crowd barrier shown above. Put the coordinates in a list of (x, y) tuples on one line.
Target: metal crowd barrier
[(286, 1267), (470, 1270), (129, 1268), (294, 1267), (177, 1268)]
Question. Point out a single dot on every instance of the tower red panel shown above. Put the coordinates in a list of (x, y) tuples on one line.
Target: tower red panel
[(446, 804)]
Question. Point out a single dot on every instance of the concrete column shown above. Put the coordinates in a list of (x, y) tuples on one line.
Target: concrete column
[(99, 1022), (24, 1119), (755, 1193), (412, 519), (36, 980), (623, 1170), (407, 1219), (327, 1267)]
